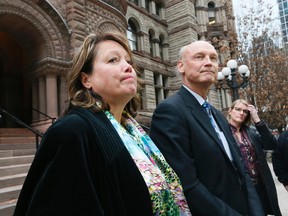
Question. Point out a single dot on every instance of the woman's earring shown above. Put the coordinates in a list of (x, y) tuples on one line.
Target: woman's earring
[(98, 104)]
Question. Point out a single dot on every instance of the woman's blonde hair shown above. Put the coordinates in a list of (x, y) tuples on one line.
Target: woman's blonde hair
[(247, 120), (83, 59)]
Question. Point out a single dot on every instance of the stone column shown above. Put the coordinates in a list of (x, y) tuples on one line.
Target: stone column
[(156, 51), (152, 8), (160, 93), (35, 100), (140, 41), (142, 3), (62, 94), (51, 99), (42, 97), (165, 52), (162, 13)]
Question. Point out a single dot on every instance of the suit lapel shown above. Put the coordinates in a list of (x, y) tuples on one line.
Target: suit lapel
[(231, 142), (201, 117), (203, 120)]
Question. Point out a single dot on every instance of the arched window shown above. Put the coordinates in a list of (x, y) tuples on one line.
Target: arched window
[(135, 2), (160, 85), (211, 13), (161, 41), (132, 35), (158, 8), (151, 46), (147, 5)]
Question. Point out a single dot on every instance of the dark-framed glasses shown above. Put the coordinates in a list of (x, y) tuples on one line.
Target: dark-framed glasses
[(238, 109)]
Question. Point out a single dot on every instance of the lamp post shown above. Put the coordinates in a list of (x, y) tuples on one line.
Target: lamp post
[(229, 74)]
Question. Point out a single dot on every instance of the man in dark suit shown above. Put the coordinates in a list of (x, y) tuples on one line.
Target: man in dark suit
[(201, 149)]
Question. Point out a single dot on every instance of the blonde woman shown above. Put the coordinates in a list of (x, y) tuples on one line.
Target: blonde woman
[(251, 141)]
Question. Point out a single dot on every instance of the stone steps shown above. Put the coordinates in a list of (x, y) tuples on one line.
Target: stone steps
[(8, 181), (14, 160), (17, 150)]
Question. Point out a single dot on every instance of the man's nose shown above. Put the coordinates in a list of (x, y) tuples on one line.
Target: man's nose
[(208, 61)]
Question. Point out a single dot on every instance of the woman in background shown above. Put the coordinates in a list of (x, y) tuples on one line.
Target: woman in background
[(252, 140), (96, 159)]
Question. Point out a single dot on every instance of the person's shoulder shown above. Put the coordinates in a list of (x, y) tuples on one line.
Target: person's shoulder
[(217, 111), (284, 134), (69, 123), (181, 94), (283, 138)]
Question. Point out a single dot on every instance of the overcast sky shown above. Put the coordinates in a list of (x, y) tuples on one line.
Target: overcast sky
[(257, 9), (238, 4)]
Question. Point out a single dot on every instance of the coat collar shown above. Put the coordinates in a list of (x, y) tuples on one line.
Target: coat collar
[(199, 114)]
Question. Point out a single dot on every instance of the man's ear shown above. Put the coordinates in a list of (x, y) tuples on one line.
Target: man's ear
[(180, 66), (85, 79)]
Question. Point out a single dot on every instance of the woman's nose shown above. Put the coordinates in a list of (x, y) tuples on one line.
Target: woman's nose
[(128, 67)]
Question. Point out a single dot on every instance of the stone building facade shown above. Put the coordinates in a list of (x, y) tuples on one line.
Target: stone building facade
[(38, 39)]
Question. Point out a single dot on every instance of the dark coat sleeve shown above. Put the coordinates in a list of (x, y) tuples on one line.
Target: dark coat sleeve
[(280, 159), (262, 138), (267, 139), (59, 180)]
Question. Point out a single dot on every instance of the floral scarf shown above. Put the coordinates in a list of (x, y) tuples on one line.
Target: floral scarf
[(163, 184)]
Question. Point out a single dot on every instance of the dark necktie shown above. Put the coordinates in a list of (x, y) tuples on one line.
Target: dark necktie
[(207, 109), (206, 106)]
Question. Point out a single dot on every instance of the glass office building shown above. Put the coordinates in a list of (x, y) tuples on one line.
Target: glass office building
[(283, 13)]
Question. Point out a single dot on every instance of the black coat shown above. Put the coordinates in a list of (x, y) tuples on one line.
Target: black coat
[(262, 138), (83, 168), (280, 159), (213, 185)]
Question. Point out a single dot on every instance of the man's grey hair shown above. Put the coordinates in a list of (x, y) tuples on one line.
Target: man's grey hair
[(181, 51)]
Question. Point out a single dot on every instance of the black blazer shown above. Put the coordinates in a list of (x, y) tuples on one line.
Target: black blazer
[(261, 138), (213, 185), (280, 158)]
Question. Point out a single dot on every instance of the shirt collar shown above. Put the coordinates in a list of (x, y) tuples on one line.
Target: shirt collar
[(197, 96)]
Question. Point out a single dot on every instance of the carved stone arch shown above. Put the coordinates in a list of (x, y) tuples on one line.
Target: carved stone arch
[(121, 5), (60, 27), (35, 41), (109, 26), (50, 39)]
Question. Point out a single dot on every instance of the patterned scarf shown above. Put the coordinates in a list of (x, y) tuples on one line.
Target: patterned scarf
[(163, 184)]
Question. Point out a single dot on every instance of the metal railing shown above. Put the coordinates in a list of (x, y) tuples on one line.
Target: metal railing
[(52, 119), (36, 132)]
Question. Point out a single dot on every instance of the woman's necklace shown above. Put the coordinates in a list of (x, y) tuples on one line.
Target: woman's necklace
[(238, 135)]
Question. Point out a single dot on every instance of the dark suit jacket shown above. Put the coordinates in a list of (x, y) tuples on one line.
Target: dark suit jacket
[(213, 185)]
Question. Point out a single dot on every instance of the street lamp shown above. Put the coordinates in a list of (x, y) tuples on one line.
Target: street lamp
[(229, 74)]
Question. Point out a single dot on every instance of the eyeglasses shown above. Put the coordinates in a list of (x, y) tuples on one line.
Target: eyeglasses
[(240, 110)]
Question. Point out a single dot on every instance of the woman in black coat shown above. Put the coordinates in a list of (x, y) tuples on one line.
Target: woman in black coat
[(96, 159), (251, 142)]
